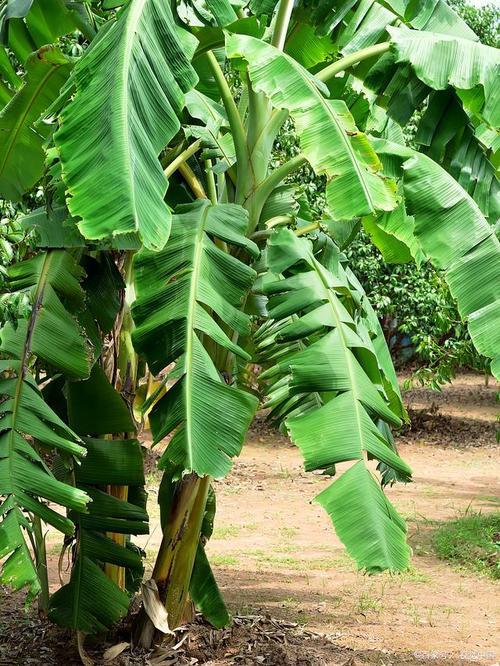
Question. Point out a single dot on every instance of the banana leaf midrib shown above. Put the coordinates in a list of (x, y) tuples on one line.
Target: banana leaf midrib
[(21, 373), (133, 20), (190, 331)]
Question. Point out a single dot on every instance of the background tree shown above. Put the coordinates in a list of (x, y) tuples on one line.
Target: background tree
[(417, 312)]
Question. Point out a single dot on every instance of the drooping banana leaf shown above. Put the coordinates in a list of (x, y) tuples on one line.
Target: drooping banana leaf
[(458, 240), (22, 135), (24, 477), (447, 136), (90, 601), (341, 366), (119, 120), (445, 130), (52, 279), (473, 69), (52, 334), (26, 26), (206, 12), (327, 133), (454, 139), (190, 292), (401, 92)]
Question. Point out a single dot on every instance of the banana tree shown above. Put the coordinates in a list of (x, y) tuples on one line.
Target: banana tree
[(171, 243)]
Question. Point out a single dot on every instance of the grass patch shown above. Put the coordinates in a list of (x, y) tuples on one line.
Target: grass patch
[(225, 531), (272, 560), (415, 576), (367, 602), (224, 560), (472, 541)]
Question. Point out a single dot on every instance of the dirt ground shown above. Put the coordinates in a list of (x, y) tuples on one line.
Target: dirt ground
[(275, 555)]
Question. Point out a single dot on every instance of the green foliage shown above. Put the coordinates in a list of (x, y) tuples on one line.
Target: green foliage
[(90, 601), (128, 188), (325, 128), (192, 97), (14, 245), (458, 59), (484, 20), (172, 319), (456, 237), (27, 422), (418, 315), (331, 378), (21, 145), (472, 542)]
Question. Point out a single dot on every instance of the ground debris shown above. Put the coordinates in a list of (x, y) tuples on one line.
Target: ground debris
[(251, 640)]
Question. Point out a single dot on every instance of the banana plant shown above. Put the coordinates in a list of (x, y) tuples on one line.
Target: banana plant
[(170, 243)]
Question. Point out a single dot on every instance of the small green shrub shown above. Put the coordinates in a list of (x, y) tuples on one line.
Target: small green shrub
[(471, 541)]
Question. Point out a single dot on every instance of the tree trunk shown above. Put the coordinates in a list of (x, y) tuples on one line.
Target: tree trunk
[(175, 560)]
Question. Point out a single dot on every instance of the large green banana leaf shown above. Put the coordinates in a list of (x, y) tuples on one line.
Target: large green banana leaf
[(119, 120), (447, 136), (445, 131), (52, 334), (188, 295), (456, 237), (21, 134), (90, 601), (326, 129), (340, 365), (473, 69), (361, 23), (444, 127)]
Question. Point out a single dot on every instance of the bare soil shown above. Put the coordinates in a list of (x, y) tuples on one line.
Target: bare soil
[(276, 556)]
